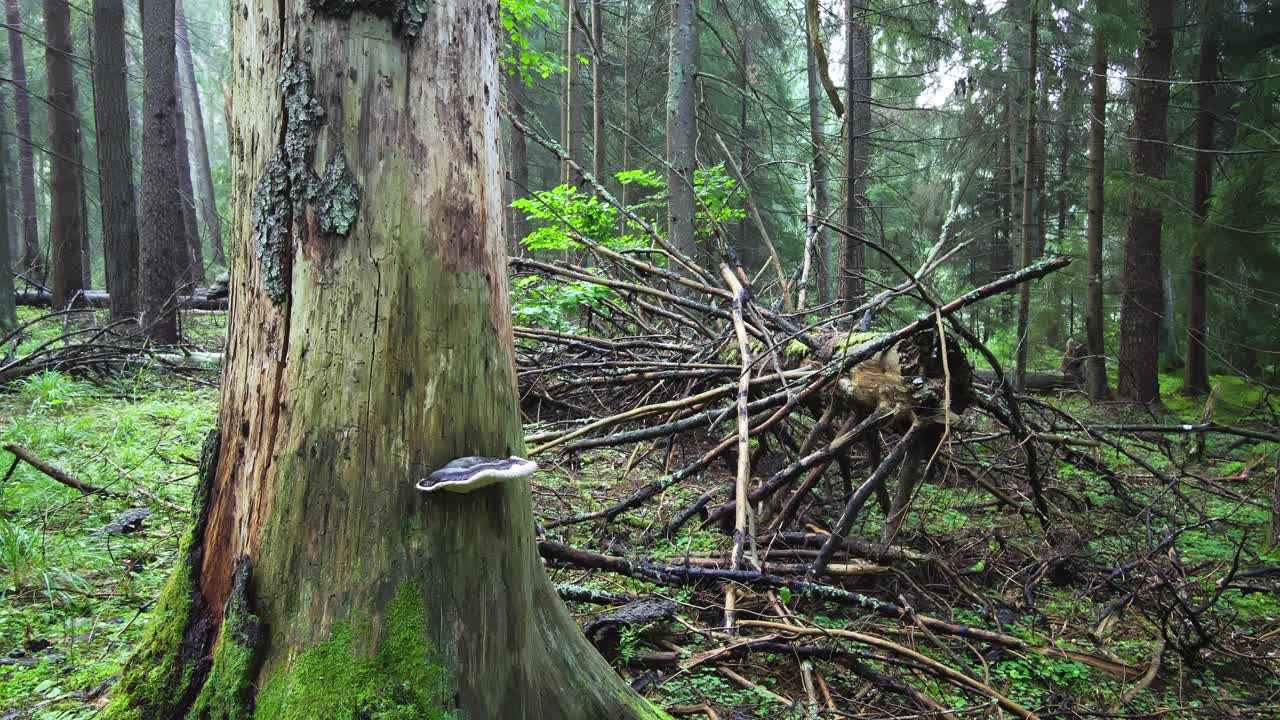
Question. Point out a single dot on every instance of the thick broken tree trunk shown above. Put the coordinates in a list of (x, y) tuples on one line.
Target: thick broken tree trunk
[(370, 344), (905, 380)]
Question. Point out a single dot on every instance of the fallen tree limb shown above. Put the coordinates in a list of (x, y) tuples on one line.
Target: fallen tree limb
[(55, 474), (200, 300)]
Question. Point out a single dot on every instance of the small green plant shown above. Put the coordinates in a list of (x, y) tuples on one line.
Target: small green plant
[(51, 391)]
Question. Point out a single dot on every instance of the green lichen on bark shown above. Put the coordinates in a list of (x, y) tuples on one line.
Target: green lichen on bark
[(161, 676), (401, 680), (271, 217), (407, 16), (336, 198), (228, 693), (289, 185)]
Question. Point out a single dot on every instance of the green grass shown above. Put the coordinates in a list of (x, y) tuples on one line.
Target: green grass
[(61, 580)]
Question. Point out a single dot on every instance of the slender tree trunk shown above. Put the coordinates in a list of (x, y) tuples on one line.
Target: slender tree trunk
[(817, 143), (682, 125), (1002, 253), (8, 310), (12, 210), (857, 152), (115, 161), (518, 161), (746, 254), (575, 45), (1054, 332), (32, 259), (1015, 119), (1096, 362), (194, 272), (66, 218), (626, 98), (1195, 380), (599, 149), (369, 254), (82, 165), (162, 258), (206, 201), (1143, 300), (1028, 199)]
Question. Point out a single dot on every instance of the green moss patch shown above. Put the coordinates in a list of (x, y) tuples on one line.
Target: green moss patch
[(157, 679), (402, 679)]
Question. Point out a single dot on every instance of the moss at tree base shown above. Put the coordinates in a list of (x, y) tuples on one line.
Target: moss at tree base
[(228, 693), (402, 680)]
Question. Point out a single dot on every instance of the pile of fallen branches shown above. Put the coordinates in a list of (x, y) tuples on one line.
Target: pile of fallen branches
[(787, 426)]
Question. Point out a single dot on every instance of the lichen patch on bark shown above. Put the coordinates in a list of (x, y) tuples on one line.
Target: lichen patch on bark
[(289, 190), (336, 198)]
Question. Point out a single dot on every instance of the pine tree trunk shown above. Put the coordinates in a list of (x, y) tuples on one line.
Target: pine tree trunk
[(817, 141), (1096, 362), (575, 42), (626, 101), (1195, 380), (682, 125), (32, 260), (518, 162), (66, 189), (599, 149), (12, 209), (206, 201), (370, 258), (1028, 204), (857, 153), (1143, 299), (115, 161), (1015, 119), (194, 272), (8, 301), (162, 257)]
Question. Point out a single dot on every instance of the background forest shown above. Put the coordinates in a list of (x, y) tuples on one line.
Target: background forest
[(705, 201)]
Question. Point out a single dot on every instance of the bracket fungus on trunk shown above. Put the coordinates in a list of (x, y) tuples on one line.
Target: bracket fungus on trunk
[(472, 473)]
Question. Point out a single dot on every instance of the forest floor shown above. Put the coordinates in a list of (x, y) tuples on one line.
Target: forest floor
[(75, 586)]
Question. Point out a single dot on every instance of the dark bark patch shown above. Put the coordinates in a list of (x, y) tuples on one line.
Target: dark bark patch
[(336, 198), (229, 692), (289, 187), (407, 16)]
